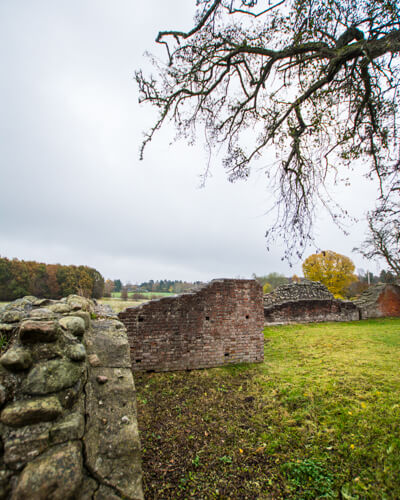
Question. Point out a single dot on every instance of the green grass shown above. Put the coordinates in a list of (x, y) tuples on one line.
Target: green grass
[(320, 418)]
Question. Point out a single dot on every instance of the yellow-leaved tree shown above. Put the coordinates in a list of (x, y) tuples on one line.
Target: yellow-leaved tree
[(267, 287), (335, 271)]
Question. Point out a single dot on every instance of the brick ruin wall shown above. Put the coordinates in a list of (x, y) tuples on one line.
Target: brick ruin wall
[(382, 300), (306, 302), (220, 324), (312, 311), (389, 301)]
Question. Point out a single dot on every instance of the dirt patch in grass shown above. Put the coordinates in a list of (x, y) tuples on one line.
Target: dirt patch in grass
[(191, 446), (318, 419)]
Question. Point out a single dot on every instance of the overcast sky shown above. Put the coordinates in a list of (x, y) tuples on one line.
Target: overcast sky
[(73, 190)]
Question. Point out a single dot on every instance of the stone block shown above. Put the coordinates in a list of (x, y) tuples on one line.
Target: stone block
[(111, 414), (31, 411), (60, 308), (70, 428), (85, 315), (23, 447), (55, 475), (42, 314), (73, 325), (38, 331), (52, 376), (12, 316), (76, 352), (16, 359), (75, 302), (109, 345)]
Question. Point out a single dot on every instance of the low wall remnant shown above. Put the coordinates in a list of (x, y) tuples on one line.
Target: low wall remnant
[(219, 324), (306, 302), (68, 417), (379, 301)]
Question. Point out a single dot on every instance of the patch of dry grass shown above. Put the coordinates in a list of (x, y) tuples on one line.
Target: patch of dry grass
[(118, 304), (318, 419)]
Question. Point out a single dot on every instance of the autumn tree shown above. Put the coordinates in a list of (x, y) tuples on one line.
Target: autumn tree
[(307, 86), (97, 282), (5, 278), (335, 271), (109, 286), (267, 288), (52, 284), (19, 278)]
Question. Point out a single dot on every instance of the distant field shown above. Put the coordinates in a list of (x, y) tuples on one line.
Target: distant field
[(318, 419), (118, 304), (117, 295)]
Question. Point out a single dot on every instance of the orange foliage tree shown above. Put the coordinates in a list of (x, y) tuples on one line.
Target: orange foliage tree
[(19, 278), (335, 271)]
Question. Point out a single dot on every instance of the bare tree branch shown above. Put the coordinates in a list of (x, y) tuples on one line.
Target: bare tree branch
[(317, 80)]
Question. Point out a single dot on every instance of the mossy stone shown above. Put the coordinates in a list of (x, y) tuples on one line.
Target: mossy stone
[(12, 316), (38, 331), (76, 352), (73, 325), (51, 376), (70, 428), (16, 359), (56, 474), (31, 412)]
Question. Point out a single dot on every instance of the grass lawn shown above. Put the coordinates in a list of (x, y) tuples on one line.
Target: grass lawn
[(320, 418)]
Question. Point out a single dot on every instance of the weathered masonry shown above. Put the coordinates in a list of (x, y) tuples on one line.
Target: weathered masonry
[(68, 425), (221, 323), (309, 301), (379, 301)]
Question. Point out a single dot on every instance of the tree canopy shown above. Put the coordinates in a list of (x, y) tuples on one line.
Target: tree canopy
[(334, 270), (306, 87), (19, 278)]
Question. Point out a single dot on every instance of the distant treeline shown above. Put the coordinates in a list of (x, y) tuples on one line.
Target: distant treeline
[(19, 278), (173, 286)]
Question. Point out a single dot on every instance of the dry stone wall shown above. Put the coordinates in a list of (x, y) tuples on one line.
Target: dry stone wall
[(219, 324), (308, 301), (68, 418)]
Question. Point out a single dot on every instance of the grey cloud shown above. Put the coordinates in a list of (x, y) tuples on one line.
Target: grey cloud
[(72, 187)]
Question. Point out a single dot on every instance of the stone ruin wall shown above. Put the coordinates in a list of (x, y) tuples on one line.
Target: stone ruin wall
[(379, 301), (222, 323), (68, 414), (306, 302)]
